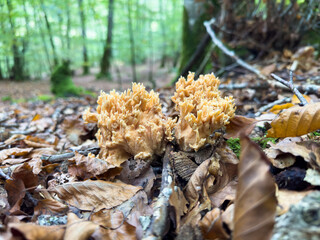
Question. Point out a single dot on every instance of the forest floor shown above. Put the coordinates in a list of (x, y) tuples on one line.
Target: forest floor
[(54, 184), (121, 80)]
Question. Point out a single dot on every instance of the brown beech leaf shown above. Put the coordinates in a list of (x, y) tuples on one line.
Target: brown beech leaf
[(113, 225), (296, 121), (78, 228), (87, 167), (179, 203), (89, 195), (49, 206), (16, 192), (37, 232), (255, 204), (195, 184), (211, 225), (4, 154), (239, 124)]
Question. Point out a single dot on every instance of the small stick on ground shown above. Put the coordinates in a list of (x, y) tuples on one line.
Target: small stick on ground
[(58, 157), (159, 224), (290, 85), (228, 52), (270, 105)]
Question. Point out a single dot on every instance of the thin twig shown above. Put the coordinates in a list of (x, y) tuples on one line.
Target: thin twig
[(270, 105), (159, 224), (290, 85), (228, 52), (3, 175), (58, 157)]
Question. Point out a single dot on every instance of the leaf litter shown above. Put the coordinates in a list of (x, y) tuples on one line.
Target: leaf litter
[(50, 169)]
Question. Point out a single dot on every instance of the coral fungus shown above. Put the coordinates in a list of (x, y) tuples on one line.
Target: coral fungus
[(130, 124), (202, 110)]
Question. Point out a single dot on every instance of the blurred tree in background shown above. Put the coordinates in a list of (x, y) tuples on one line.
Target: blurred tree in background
[(37, 35)]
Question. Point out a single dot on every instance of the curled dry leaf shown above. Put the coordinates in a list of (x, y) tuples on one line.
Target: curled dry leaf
[(49, 206), (255, 203), (4, 154), (34, 231), (89, 195), (296, 121), (195, 184), (278, 108), (78, 228), (179, 203), (89, 166), (211, 225), (238, 125), (112, 226)]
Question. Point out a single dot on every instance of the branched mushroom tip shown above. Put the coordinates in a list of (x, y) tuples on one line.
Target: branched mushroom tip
[(202, 110)]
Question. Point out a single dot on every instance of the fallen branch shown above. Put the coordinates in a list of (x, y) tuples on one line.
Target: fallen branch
[(58, 157), (159, 224), (270, 105), (228, 52), (5, 176), (290, 85)]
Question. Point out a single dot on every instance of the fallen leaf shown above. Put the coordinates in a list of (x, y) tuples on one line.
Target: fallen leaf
[(78, 228), (179, 203), (112, 226), (296, 121), (4, 154), (211, 225), (268, 69), (49, 206), (195, 185), (287, 198), (278, 108), (95, 195), (36, 232), (16, 192), (255, 203), (37, 142), (295, 99), (239, 124)]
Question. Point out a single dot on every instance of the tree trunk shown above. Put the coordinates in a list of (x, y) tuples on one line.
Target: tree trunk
[(38, 24), (163, 33), (55, 58), (84, 38), (68, 29), (107, 53), (132, 50), (194, 14), (17, 72)]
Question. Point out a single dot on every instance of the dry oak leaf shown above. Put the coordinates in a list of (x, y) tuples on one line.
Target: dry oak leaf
[(255, 204), (296, 121), (4, 154), (89, 195), (36, 232)]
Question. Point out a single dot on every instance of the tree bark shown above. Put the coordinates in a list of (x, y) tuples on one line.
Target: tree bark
[(17, 72), (84, 38), (55, 57), (132, 47), (194, 33), (105, 62)]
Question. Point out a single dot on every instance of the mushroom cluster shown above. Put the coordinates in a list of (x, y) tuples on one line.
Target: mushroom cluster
[(201, 110), (130, 124)]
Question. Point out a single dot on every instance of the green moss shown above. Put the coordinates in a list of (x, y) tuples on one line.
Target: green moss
[(234, 143), (6, 99), (44, 98), (61, 82)]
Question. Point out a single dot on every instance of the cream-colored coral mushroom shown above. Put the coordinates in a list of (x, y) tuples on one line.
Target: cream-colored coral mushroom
[(202, 110), (130, 124)]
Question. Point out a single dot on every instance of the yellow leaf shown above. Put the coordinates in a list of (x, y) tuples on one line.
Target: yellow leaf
[(36, 117), (295, 99), (296, 121), (277, 108)]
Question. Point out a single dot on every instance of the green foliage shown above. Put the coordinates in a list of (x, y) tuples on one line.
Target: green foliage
[(61, 82), (234, 143), (6, 99), (44, 98)]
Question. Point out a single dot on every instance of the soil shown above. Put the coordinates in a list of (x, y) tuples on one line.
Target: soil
[(121, 80)]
